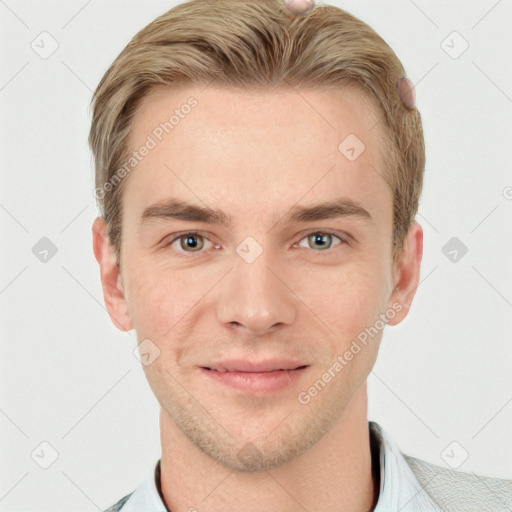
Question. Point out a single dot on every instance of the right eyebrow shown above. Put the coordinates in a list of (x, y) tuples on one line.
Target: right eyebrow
[(181, 210)]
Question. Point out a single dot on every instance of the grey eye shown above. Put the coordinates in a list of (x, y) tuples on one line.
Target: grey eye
[(317, 239)]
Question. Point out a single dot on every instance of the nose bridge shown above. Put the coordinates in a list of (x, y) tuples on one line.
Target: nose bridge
[(253, 296)]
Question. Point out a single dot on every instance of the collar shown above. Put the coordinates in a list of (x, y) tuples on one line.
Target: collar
[(399, 488)]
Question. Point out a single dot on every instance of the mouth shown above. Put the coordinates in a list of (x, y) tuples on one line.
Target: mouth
[(253, 371), (255, 377), (245, 365)]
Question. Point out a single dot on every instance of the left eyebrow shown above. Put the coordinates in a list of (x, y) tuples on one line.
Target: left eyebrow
[(341, 207)]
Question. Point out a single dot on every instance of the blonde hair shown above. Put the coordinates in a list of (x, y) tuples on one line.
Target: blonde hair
[(255, 45)]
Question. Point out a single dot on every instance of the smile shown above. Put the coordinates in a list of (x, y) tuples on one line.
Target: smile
[(255, 381)]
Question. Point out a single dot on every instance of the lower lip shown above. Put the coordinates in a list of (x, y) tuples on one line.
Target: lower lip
[(256, 382)]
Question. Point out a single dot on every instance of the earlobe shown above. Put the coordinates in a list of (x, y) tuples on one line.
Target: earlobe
[(111, 279), (406, 274)]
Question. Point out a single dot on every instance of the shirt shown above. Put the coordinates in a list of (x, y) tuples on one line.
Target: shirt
[(399, 489)]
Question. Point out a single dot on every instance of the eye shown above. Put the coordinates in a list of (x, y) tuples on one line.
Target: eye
[(321, 241), (194, 242), (191, 241), (188, 242)]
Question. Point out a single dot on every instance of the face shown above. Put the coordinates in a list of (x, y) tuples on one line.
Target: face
[(256, 250)]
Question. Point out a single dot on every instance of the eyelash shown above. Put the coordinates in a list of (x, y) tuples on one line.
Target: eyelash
[(178, 236)]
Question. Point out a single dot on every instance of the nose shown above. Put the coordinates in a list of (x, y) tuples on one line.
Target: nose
[(255, 298)]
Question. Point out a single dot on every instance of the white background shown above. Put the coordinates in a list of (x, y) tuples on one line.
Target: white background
[(69, 377)]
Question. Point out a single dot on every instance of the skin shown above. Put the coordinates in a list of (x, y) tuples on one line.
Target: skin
[(256, 156)]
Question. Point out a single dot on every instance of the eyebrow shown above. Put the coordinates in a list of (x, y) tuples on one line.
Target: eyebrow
[(181, 210)]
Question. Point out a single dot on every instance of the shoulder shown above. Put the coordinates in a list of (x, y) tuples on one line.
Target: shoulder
[(455, 490), (119, 505)]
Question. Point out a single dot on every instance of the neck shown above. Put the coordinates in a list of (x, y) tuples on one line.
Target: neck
[(334, 474)]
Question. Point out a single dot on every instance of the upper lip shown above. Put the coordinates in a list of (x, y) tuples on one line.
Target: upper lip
[(244, 365)]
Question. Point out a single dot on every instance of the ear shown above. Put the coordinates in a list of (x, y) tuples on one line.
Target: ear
[(406, 274), (111, 280)]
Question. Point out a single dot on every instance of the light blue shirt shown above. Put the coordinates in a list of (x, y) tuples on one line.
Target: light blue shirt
[(399, 491)]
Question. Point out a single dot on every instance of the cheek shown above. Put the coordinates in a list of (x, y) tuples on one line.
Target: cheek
[(173, 307), (347, 298), (160, 297)]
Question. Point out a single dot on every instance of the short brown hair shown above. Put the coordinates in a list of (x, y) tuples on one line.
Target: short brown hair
[(255, 45)]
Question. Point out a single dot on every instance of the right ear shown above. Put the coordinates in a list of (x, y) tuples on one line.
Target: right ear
[(111, 281)]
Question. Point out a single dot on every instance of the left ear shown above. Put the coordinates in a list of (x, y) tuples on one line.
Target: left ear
[(406, 274)]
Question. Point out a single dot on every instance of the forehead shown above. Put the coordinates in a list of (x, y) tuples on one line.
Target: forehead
[(255, 149)]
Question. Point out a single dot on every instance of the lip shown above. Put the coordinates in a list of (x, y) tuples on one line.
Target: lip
[(244, 365), (256, 378)]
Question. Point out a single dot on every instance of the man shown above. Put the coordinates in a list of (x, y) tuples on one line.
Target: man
[(258, 170)]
